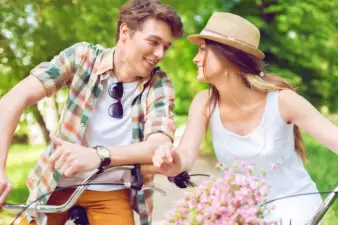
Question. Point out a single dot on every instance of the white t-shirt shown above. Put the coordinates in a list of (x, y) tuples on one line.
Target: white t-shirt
[(104, 130)]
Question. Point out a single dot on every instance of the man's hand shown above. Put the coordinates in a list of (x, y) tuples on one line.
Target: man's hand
[(5, 187), (70, 159), (167, 160)]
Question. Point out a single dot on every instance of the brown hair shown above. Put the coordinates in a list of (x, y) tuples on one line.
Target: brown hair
[(135, 12), (250, 68)]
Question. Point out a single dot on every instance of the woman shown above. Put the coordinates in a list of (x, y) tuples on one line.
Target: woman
[(253, 116)]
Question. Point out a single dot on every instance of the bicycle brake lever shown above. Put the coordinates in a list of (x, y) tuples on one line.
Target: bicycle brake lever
[(182, 180), (190, 184)]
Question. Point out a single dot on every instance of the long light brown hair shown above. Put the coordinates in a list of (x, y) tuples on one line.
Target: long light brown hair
[(250, 68)]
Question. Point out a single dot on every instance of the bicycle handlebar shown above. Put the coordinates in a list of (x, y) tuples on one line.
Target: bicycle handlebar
[(182, 180), (136, 185), (329, 200)]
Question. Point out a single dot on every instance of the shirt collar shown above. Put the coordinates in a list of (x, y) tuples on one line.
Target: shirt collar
[(106, 63)]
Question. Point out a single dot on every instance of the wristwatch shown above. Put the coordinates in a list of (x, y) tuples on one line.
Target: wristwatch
[(104, 154)]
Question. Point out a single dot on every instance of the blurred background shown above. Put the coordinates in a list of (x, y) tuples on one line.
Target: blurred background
[(299, 39)]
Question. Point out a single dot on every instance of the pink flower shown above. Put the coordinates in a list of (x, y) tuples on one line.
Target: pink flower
[(233, 199), (273, 166), (219, 165)]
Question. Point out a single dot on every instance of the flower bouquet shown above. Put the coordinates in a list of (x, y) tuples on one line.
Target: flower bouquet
[(235, 198)]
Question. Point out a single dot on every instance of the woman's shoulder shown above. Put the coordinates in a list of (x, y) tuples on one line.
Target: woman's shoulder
[(289, 98), (287, 94), (200, 103), (202, 95), (201, 98), (289, 102)]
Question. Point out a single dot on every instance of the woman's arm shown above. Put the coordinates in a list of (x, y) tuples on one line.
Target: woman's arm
[(171, 162), (297, 110), (190, 143)]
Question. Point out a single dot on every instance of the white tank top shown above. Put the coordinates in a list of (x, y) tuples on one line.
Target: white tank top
[(104, 130), (271, 148)]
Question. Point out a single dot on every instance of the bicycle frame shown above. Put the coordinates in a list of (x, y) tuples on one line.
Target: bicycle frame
[(136, 184), (42, 208), (182, 180), (328, 202)]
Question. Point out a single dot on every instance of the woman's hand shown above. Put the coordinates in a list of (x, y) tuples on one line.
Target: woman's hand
[(167, 160)]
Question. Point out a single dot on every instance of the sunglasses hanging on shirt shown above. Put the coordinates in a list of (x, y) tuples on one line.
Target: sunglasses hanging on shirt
[(115, 90)]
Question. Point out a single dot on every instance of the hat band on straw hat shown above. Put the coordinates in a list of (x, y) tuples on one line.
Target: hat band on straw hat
[(233, 31), (213, 33)]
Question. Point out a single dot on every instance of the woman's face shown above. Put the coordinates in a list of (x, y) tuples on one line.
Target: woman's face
[(208, 64)]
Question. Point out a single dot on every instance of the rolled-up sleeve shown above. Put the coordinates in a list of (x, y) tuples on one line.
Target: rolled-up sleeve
[(160, 106), (60, 70)]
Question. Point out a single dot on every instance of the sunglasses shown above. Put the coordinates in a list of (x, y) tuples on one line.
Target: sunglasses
[(115, 91)]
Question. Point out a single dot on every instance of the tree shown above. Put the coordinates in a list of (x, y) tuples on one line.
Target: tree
[(299, 39)]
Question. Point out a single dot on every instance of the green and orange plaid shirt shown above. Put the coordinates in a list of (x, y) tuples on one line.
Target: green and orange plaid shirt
[(82, 68)]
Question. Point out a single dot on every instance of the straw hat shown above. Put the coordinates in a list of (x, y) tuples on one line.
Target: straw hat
[(232, 30)]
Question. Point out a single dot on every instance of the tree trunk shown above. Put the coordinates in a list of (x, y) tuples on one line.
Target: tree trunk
[(57, 107), (267, 17), (54, 113), (41, 122)]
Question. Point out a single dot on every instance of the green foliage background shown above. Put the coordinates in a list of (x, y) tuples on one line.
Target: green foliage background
[(299, 39)]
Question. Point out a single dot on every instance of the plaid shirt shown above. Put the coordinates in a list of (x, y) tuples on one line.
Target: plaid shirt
[(82, 68)]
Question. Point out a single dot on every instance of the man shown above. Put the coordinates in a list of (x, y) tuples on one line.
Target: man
[(119, 110)]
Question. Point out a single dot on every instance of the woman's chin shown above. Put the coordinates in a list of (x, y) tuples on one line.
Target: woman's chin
[(201, 78)]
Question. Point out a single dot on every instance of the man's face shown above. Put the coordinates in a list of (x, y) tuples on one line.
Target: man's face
[(146, 47)]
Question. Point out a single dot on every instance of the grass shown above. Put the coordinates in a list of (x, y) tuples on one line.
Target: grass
[(21, 160), (322, 166)]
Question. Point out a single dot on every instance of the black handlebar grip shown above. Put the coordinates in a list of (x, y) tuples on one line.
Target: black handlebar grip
[(137, 184), (181, 180)]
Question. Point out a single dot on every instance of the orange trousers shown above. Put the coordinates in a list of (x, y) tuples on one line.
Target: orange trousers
[(103, 208)]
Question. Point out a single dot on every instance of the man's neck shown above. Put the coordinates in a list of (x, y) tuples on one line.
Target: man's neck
[(122, 70)]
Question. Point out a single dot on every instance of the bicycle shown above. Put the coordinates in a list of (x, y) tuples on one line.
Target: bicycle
[(183, 181), (78, 215)]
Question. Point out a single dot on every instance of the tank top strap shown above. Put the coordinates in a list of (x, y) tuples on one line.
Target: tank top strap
[(272, 109)]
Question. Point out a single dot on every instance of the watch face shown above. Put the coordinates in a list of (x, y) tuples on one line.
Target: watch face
[(104, 152)]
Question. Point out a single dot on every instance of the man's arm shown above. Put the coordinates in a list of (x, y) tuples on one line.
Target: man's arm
[(139, 152), (159, 127), (27, 92), (45, 79), (70, 159)]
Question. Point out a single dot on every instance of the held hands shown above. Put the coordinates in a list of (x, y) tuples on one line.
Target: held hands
[(167, 160), (5, 187), (70, 159)]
